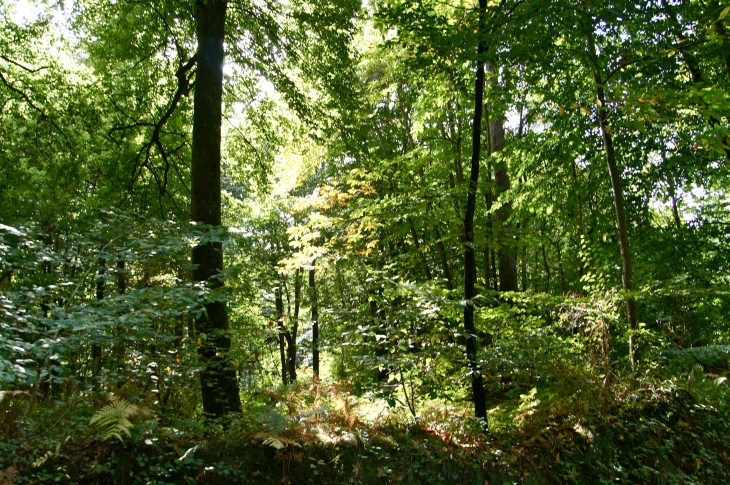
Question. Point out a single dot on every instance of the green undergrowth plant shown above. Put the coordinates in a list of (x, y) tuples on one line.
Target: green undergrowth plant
[(113, 420), (573, 430)]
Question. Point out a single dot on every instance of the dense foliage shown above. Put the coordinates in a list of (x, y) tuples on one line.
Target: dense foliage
[(424, 206)]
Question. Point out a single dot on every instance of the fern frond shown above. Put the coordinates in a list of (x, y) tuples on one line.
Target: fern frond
[(113, 420)]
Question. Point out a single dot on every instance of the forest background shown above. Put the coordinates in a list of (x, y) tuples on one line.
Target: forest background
[(342, 242)]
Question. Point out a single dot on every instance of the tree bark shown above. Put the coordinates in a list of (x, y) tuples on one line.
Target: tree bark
[(218, 377), (470, 264)]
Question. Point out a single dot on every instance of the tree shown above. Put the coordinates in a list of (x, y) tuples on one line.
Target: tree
[(506, 253), (218, 378), (627, 272), (314, 305), (470, 264)]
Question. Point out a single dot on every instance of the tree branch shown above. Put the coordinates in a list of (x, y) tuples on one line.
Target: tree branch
[(44, 115)]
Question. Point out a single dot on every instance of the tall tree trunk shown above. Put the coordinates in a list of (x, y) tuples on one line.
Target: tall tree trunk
[(524, 268), (490, 268), (546, 267), (379, 318), (618, 200), (96, 346), (417, 245), (218, 377), (121, 275), (561, 271), (444, 259), (381, 349), (673, 198), (581, 225), (293, 328), (506, 254), (120, 348), (487, 273), (470, 264), (315, 321), (282, 338)]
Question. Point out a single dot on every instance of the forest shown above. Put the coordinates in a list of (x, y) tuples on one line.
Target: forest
[(364, 242)]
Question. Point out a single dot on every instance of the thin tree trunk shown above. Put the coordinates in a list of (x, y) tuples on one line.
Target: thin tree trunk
[(675, 208), (179, 328), (292, 330), (560, 267), (96, 353), (487, 274), (313, 304), (444, 259), (120, 349), (381, 351), (470, 264), (581, 228), (121, 277), (546, 267), (506, 252), (417, 244), (618, 201), (524, 268), (491, 272), (218, 377), (282, 331)]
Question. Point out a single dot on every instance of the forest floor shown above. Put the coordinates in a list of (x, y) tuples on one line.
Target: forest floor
[(325, 435)]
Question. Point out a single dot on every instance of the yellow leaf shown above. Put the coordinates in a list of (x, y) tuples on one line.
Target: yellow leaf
[(562, 111), (584, 111), (608, 129), (724, 13)]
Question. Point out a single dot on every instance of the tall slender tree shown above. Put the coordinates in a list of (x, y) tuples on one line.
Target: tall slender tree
[(470, 264), (506, 254), (218, 377), (313, 304), (627, 272)]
